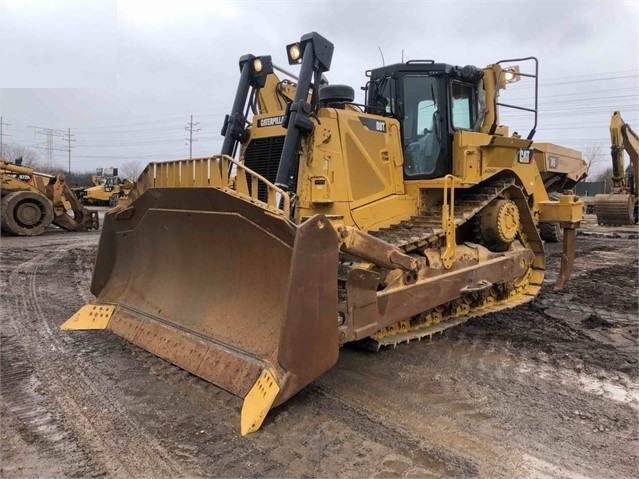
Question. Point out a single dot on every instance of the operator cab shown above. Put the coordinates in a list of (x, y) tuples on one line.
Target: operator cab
[(431, 101), (111, 181)]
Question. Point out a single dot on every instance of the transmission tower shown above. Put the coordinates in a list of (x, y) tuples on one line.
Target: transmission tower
[(191, 127), (2, 135), (49, 145)]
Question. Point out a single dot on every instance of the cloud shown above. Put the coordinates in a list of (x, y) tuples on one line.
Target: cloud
[(180, 57), (58, 44)]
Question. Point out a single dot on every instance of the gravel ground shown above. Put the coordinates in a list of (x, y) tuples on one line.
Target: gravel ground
[(549, 389)]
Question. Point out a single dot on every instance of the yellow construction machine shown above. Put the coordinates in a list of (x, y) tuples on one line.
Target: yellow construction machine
[(378, 223), (107, 192), (620, 206), (561, 169), (32, 201)]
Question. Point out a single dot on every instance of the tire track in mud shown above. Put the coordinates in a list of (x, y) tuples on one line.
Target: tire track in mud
[(193, 420), (33, 418), (297, 438), (115, 439), (516, 406), (562, 388), (426, 413), (425, 459), (499, 400)]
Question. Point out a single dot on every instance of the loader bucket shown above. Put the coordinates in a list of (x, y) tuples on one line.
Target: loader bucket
[(221, 287)]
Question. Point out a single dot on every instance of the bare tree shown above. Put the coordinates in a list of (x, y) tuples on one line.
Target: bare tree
[(605, 177), (593, 154), (131, 169), (13, 151)]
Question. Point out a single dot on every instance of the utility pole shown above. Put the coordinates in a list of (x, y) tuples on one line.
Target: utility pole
[(189, 128), (69, 140), (2, 137)]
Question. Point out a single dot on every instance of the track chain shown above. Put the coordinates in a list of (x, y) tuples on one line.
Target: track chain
[(426, 230)]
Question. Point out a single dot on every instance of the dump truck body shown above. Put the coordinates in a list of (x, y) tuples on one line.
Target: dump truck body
[(338, 223), (561, 169)]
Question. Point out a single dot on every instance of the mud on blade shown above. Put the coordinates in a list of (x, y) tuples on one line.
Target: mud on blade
[(229, 291)]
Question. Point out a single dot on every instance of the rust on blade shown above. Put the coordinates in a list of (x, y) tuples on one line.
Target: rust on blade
[(198, 356), (254, 292), (309, 337)]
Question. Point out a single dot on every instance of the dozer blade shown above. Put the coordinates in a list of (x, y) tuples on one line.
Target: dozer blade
[(231, 292)]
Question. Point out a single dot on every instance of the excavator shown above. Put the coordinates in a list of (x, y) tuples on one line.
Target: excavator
[(31, 201), (621, 205), (325, 222)]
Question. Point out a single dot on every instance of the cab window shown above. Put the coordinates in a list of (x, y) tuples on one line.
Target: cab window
[(421, 138), (462, 106)]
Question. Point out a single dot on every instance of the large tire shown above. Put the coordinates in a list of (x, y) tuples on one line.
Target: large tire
[(26, 213), (551, 232)]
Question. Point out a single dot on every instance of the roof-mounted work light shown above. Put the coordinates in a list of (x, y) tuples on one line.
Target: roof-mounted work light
[(509, 75)]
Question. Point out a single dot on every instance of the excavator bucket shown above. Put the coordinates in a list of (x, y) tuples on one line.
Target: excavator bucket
[(615, 209), (222, 287)]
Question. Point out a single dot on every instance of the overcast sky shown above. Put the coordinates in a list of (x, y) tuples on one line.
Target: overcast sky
[(125, 76)]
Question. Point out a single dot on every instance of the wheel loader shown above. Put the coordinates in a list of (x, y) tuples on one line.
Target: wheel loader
[(32, 201), (325, 222), (621, 205)]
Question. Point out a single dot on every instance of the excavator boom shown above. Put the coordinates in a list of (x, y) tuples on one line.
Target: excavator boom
[(619, 207)]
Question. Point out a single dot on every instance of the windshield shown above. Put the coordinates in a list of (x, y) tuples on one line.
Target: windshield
[(421, 136), (110, 181)]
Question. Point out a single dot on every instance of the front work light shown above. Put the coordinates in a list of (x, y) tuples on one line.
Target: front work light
[(511, 74), (294, 53), (256, 69)]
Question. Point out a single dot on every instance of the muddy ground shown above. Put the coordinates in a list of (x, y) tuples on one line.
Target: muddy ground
[(546, 390)]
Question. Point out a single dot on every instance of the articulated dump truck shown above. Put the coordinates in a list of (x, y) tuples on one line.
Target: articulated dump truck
[(324, 222), (561, 169)]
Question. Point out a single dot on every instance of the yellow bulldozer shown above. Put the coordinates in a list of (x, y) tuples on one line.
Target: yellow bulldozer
[(106, 191), (324, 222), (620, 206), (31, 201)]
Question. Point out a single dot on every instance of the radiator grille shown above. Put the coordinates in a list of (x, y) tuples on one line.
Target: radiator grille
[(262, 155)]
